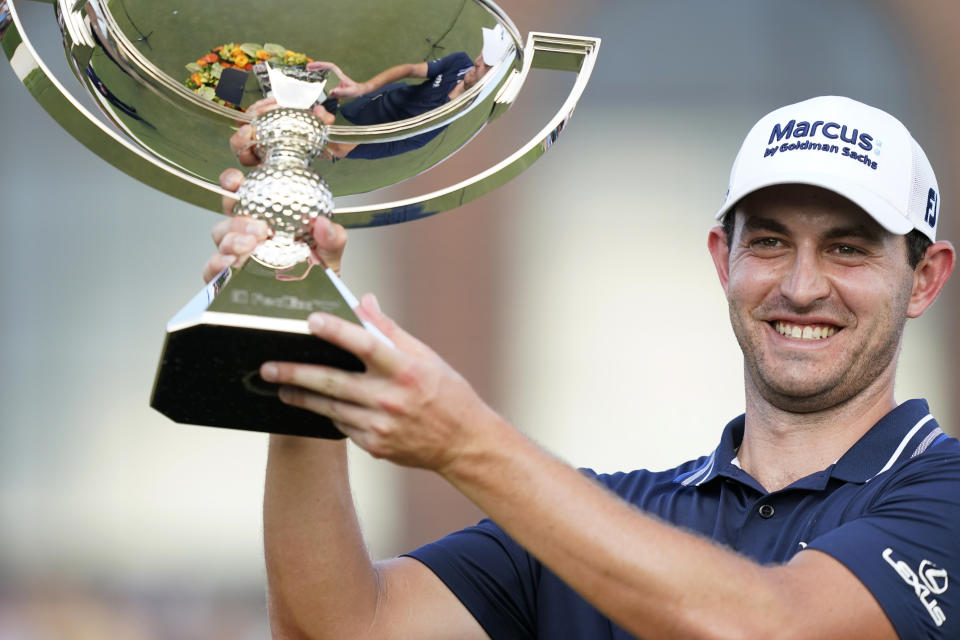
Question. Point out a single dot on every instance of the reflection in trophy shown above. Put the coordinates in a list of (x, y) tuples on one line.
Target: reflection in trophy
[(386, 97), (172, 134)]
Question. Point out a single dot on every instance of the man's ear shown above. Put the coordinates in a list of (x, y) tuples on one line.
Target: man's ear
[(930, 276), (720, 252)]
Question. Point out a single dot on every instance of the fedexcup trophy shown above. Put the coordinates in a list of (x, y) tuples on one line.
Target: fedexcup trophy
[(174, 82)]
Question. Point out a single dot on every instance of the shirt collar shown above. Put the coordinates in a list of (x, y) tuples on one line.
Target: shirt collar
[(721, 460), (899, 435)]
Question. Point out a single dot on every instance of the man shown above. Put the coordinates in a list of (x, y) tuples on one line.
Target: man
[(386, 98), (826, 511)]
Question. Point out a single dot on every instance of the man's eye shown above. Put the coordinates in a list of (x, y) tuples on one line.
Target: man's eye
[(766, 243), (847, 250)]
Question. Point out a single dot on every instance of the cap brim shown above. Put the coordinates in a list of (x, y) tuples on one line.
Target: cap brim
[(886, 215), (495, 44)]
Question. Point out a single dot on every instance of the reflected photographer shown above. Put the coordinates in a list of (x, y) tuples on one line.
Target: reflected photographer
[(385, 97)]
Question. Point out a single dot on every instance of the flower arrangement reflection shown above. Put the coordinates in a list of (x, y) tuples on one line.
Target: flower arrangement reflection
[(205, 71)]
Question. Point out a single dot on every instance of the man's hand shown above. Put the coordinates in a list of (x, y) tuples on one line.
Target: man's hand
[(243, 141), (237, 236), (409, 406), (347, 88)]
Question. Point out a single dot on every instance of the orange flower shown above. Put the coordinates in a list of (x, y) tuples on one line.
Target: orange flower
[(200, 62), (217, 48), (248, 66), (262, 55), (240, 59), (196, 79), (224, 64), (210, 58)]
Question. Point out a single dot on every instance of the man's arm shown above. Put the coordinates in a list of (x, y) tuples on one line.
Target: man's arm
[(321, 582), (651, 578), (349, 88)]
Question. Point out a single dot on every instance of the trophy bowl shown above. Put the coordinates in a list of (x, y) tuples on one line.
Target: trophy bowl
[(173, 82)]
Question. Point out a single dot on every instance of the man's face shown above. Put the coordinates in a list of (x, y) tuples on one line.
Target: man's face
[(818, 296), (477, 71)]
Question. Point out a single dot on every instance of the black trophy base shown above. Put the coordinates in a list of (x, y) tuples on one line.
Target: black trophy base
[(209, 375), (209, 369)]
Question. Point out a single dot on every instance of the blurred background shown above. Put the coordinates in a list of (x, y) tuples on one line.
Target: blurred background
[(579, 299)]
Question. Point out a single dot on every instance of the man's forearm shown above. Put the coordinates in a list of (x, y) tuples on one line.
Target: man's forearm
[(393, 74), (652, 578), (319, 573)]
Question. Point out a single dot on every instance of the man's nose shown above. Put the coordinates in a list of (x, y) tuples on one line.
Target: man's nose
[(805, 281)]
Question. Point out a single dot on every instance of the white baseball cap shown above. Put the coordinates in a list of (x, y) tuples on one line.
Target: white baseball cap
[(496, 41), (860, 152)]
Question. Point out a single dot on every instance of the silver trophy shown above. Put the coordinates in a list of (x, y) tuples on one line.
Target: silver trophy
[(173, 81)]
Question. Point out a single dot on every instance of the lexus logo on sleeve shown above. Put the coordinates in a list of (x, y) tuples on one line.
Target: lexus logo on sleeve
[(931, 581)]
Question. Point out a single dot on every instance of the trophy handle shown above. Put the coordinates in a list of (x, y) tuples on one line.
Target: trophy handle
[(542, 51)]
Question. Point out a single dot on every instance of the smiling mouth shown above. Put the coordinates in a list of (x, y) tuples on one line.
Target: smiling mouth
[(804, 331)]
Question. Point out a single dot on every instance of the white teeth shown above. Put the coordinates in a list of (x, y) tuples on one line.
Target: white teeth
[(804, 332)]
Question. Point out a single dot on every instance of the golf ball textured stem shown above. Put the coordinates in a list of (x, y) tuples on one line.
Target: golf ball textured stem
[(283, 191)]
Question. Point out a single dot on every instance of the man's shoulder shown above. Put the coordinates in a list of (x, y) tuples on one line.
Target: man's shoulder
[(939, 461), (457, 60), (627, 483)]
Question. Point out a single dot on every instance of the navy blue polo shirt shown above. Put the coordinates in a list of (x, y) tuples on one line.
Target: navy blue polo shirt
[(399, 100), (889, 510)]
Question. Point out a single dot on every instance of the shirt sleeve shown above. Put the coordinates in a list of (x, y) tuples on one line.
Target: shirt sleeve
[(453, 62), (906, 547), (491, 575)]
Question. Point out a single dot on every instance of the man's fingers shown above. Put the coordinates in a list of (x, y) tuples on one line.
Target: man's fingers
[(236, 237), (346, 90), (241, 138), (262, 106), (369, 310), (329, 242), (243, 145), (242, 142), (230, 179), (323, 115), (351, 418), (354, 338), (327, 381), (353, 421), (238, 244), (322, 64), (239, 225), (217, 263)]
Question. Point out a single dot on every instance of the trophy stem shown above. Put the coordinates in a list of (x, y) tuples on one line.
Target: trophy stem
[(283, 191), (284, 157)]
